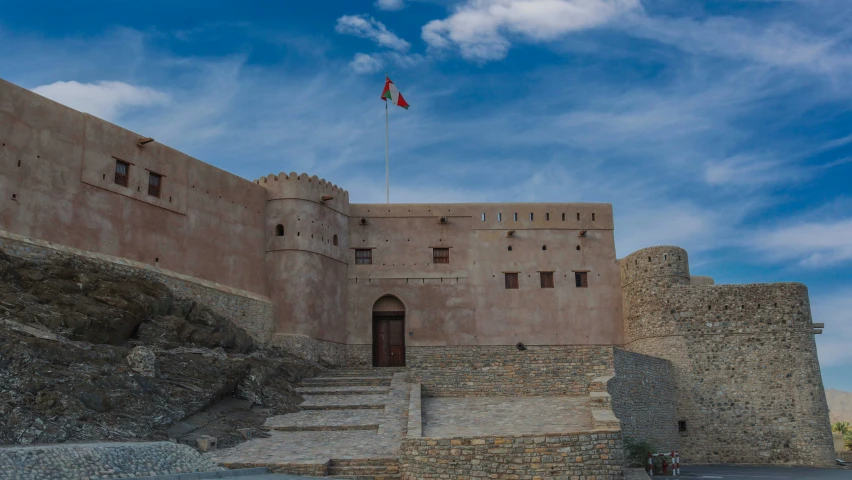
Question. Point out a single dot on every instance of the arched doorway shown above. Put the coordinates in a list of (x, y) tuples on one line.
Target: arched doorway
[(388, 332)]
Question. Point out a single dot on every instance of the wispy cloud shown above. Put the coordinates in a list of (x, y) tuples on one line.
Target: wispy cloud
[(834, 308), (482, 30), (390, 4), (809, 243), (104, 99), (365, 26)]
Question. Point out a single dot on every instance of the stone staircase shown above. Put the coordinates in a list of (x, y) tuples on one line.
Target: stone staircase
[(350, 426), (601, 403)]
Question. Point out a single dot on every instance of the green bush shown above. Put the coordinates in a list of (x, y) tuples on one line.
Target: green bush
[(847, 440), (637, 452), (841, 427)]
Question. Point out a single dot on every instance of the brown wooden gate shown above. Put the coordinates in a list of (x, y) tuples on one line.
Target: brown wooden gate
[(389, 339)]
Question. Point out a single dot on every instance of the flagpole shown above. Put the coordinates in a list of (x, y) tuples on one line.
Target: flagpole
[(387, 157)]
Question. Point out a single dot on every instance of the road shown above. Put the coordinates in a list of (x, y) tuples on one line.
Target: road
[(724, 472)]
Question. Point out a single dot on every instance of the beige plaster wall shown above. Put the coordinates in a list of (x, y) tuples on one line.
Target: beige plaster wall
[(58, 164), (465, 302)]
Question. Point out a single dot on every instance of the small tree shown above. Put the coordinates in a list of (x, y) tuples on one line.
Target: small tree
[(841, 427), (637, 452), (847, 440)]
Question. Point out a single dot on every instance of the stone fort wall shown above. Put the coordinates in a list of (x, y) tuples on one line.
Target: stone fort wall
[(748, 385)]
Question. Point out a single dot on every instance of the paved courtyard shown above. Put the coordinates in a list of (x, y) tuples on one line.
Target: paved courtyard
[(459, 416)]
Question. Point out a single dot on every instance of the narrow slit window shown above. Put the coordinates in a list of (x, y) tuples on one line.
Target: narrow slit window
[(531, 216), (363, 256), (155, 180), (279, 230), (516, 216), (483, 217), (334, 239), (499, 217), (578, 216), (593, 217), (441, 255), (581, 279), (546, 279), (547, 217), (563, 217), (122, 173), (511, 281)]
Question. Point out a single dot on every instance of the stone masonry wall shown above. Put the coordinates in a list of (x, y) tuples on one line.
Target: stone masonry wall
[(744, 359), (101, 460), (643, 394), (505, 370), (250, 311), (582, 455)]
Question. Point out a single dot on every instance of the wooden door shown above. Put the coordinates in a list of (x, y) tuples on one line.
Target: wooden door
[(388, 341)]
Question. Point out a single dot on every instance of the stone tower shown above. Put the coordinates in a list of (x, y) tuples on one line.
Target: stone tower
[(749, 388), (306, 262)]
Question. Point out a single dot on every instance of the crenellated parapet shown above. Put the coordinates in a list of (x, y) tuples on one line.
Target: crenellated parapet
[(302, 186)]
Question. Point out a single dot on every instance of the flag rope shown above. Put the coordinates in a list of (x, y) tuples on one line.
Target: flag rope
[(387, 157)]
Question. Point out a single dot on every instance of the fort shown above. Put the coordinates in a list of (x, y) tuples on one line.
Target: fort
[(473, 301)]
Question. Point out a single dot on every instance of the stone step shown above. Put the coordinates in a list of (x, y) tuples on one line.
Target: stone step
[(356, 390), (366, 372), (368, 477), (323, 420), (363, 471), (605, 419), (364, 462), (600, 400), (598, 384), (343, 407), (346, 382)]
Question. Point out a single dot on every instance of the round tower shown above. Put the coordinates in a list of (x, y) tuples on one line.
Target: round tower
[(307, 224)]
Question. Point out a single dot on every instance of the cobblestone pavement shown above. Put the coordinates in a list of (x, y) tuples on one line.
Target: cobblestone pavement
[(730, 472), (459, 416), (329, 430)]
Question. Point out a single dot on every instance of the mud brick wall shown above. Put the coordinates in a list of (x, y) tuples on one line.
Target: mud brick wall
[(505, 371), (744, 360), (643, 393), (250, 311), (578, 455)]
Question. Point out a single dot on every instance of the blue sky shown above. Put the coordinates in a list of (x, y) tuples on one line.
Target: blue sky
[(724, 127)]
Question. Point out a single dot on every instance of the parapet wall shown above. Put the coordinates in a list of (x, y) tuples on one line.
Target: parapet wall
[(485, 371), (745, 365)]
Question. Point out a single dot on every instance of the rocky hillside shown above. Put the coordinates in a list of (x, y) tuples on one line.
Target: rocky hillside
[(66, 331), (839, 404)]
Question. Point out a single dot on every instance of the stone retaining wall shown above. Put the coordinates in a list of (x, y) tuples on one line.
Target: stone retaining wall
[(249, 311), (575, 455), (643, 395), (101, 460), (505, 371)]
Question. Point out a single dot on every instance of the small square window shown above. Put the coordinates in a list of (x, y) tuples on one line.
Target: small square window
[(122, 172), (155, 180), (512, 281), (441, 255), (681, 425), (581, 279), (363, 256), (546, 279)]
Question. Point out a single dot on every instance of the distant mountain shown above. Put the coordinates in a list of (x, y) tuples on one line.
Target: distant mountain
[(839, 404)]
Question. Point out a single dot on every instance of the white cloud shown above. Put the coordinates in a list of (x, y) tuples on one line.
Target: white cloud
[(390, 4), (808, 243), (481, 29), (103, 99), (364, 63), (744, 170), (365, 26)]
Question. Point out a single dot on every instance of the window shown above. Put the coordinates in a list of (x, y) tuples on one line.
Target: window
[(122, 171), (334, 239), (279, 230), (499, 217), (546, 279), (531, 216), (516, 216), (483, 217), (547, 217), (578, 215), (563, 217), (681, 425), (154, 181), (512, 281), (441, 255), (363, 256), (593, 217), (581, 279)]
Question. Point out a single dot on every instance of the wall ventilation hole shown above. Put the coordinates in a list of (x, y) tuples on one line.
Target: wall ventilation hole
[(578, 247), (593, 217), (279, 230), (14, 196), (649, 259), (170, 200), (483, 217), (563, 217), (775, 305), (547, 217), (708, 307), (510, 248), (157, 260), (681, 425), (665, 257), (531, 216), (19, 164), (38, 156), (138, 189), (726, 307), (298, 234), (544, 247), (578, 215)]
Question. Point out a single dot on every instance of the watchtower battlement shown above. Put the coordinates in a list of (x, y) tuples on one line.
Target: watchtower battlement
[(305, 187)]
